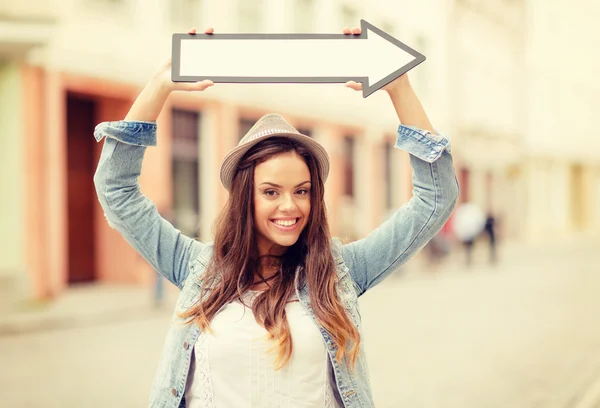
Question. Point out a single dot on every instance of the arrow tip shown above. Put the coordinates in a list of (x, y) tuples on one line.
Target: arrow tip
[(388, 58)]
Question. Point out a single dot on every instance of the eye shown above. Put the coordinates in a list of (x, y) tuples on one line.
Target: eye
[(303, 191), (270, 193)]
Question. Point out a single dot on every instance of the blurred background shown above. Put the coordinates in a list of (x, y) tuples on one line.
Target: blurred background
[(499, 310)]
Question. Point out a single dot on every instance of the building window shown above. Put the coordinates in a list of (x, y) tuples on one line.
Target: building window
[(349, 17), (304, 11), (250, 15), (186, 205), (185, 12), (305, 131), (348, 148), (244, 126)]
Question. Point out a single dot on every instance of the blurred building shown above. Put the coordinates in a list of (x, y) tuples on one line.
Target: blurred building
[(489, 83), (563, 167), (487, 44), (523, 89)]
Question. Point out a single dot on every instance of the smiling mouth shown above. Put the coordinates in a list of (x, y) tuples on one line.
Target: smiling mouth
[(286, 223)]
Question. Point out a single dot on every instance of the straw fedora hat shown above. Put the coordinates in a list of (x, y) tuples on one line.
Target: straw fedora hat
[(271, 125)]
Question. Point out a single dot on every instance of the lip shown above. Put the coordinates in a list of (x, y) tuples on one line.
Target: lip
[(286, 229)]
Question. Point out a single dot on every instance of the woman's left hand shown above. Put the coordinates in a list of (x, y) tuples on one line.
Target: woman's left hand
[(391, 87)]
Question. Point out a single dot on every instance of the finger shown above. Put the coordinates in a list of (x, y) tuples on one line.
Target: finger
[(347, 31), (357, 86), (205, 84), (209, 30), (192, 31), (195, 86), (354, 85), (356, 31)]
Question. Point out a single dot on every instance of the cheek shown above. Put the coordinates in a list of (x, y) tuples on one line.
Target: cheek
[(262, 209), (305, 208)]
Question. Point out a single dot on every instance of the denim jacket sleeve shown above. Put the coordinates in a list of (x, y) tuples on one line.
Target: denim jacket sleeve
[(435, 191), (128, 210)]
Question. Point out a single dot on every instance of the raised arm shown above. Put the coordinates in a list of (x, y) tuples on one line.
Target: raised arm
[(435, 191), (116, 180)]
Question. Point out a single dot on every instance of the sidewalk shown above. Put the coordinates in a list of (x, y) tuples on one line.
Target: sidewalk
[(510, 253), (86, 305), (98, 303)]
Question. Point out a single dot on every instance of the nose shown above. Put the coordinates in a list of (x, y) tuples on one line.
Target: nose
[(287, 204)]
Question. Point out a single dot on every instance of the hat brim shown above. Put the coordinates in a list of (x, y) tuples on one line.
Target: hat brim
[(231, 160)]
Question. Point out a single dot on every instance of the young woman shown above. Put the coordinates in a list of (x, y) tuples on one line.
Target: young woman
[(268, 313)]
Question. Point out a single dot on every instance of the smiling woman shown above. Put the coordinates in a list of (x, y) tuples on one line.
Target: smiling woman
[(281, 205), (268, 312), (274, 217)]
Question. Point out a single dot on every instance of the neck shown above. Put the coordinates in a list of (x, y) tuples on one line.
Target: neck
[(271, 251), (268, 265), (268, 269)]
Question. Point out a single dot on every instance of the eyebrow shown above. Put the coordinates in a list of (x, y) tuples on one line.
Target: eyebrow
[(278, 186)]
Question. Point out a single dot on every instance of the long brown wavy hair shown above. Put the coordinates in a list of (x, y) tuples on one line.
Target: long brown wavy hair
[(235, 262)]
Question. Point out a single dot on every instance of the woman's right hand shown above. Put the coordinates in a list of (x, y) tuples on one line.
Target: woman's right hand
[(151, 100), (163, 75)]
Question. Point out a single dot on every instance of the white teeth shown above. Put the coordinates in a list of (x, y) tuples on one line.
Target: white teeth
[(286, 223)]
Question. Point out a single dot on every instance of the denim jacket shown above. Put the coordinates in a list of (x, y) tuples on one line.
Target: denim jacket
[(360, 265)]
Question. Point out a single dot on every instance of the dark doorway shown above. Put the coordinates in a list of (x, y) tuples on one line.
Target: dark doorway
[(81, 114), (463, 180), (185, 214)]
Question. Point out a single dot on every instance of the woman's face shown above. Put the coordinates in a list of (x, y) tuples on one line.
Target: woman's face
[(281, 201)]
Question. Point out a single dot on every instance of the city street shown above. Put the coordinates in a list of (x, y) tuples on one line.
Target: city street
[(111, 153), (522, 334)]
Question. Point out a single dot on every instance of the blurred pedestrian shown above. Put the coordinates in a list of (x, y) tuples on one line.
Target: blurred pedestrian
[(469, 222), (269, 311), (490, 230)]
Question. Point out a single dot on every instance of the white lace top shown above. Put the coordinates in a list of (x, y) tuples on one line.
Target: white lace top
[(233, 368)]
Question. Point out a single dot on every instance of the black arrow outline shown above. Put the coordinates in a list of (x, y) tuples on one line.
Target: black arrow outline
[(368, 89)]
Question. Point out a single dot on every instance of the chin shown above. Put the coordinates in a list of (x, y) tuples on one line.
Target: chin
[(285, 242), (284, 239)]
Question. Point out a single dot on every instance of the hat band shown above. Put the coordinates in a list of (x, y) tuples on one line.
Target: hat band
[(266, 132)]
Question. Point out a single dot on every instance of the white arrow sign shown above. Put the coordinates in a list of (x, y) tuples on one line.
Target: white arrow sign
[(373, 58)]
